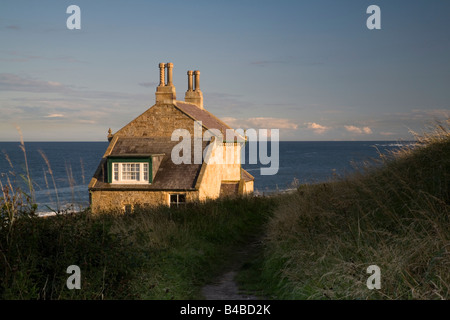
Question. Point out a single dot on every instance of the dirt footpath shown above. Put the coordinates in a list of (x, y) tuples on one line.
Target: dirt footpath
[(225, 287)]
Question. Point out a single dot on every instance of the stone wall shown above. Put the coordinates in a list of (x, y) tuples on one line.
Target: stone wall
[(105, 201)]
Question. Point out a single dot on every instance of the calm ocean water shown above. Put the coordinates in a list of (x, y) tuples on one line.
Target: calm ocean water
[(74, 163)]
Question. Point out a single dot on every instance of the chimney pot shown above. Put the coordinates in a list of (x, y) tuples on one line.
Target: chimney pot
[(161, 74), (189, 73), (197, 80), (165, 93), (195, 95), (169, 74)]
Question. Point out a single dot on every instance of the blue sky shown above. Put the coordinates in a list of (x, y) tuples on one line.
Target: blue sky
[(309, 68)]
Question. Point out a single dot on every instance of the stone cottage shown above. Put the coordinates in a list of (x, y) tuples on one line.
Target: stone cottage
[(138, 167)]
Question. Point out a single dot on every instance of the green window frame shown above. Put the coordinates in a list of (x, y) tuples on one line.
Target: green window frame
[(112, 161)]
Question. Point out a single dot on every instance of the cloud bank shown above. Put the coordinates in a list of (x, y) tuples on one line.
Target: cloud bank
[(357, 130)]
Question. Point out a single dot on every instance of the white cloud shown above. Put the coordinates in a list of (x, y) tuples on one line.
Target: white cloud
[(357, 130), (87, 121), (367, 130), (55, 115), (317, 128)]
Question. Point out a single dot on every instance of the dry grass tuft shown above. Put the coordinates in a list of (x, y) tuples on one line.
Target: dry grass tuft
[(396, 216)]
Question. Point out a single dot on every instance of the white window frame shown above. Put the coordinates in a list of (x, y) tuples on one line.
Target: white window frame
[(117, 175), (178, 203)]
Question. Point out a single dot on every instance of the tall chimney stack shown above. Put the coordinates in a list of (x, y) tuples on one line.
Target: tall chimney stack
[(169, 74), (165, 92), (194, 95), (189, 73), (197, 80), (162, 78)]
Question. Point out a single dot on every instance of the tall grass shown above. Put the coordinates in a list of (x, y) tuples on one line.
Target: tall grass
[(153, 253), (26, 178), (22, 185), (15, 202), (323, 237), (50, 171)]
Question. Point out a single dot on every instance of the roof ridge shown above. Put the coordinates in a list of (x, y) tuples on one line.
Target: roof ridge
[(216, 119), (202, 109)]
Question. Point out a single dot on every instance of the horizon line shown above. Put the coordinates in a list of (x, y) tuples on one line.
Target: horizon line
[(86, 141)]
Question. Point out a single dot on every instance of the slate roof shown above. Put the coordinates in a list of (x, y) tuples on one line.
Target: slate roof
[(169, 175), (208, 119), (246, 176)]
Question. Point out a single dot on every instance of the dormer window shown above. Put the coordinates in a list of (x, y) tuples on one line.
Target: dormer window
[(130, 172), (122, 170)]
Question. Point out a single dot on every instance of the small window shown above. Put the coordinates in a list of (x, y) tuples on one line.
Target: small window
[(127, 208), (177, 199)]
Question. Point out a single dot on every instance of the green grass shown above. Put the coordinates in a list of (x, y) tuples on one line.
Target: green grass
[(323, 237), (157, 253), (316, 242)]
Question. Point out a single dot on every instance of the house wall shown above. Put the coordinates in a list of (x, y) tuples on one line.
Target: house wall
[(247, 187), (213, 174), (106, 201), (231, 167)]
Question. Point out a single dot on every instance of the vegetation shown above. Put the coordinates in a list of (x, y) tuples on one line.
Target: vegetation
[(158, 253), (153, 253), (318, 241), (323, 237)]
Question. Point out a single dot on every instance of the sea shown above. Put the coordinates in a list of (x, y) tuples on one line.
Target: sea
[(61, 171)]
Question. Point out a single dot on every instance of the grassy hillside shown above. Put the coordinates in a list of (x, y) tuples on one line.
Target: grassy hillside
[(153, 254), (317, 244), (323, 237)]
